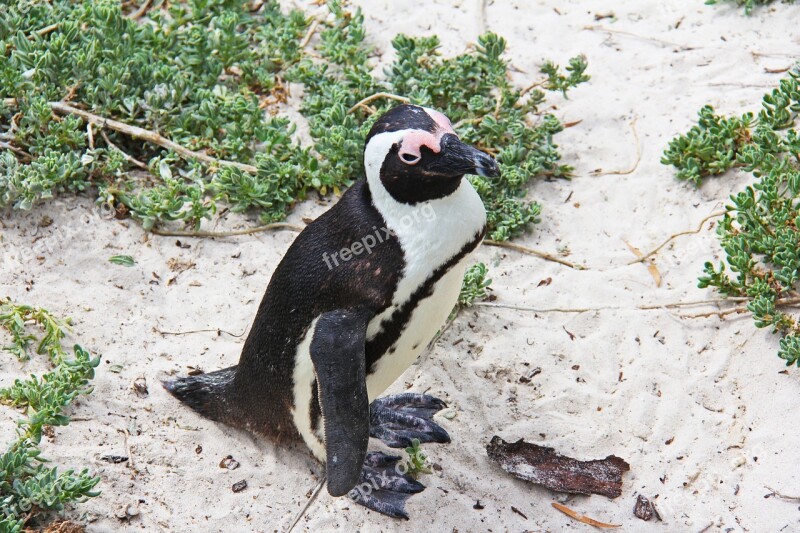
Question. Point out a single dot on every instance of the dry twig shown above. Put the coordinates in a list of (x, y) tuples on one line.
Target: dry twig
[(635, 164), (675, 235), (651, 266), (147, 135), (309, 34), (127, 157), (22, 153), (531, 251), (313, 497), (376, 96), (582, 518), (782, 496), (680, 47), (44, 31), (232, 233), (139, 13)]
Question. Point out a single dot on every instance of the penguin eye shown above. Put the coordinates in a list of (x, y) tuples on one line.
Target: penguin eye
[(410, 158)]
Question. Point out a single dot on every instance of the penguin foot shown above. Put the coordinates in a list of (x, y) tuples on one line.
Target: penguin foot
[(383, 487), (398, 419)]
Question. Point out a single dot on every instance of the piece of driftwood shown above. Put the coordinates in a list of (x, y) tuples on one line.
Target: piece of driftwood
[(643, 509), (544, 466)]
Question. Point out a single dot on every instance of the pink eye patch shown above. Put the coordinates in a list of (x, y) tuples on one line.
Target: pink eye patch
[(411, 146)]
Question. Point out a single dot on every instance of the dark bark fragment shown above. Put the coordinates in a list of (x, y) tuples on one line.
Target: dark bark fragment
[(544, 466), (643, 509)]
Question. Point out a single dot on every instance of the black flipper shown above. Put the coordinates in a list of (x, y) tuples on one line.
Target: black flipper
[(383, 487), (398, 419), (337, 351), (207, 394)]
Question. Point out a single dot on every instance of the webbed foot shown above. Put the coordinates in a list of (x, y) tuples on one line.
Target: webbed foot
[(398, 419), (383, 487)]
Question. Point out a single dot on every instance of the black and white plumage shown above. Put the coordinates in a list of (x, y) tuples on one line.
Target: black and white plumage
[(359, 294)]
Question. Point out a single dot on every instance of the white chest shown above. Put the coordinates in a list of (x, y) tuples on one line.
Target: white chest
[(430, 234), (427, 317)]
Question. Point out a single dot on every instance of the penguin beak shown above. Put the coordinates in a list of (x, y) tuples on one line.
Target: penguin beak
[(457, 158)]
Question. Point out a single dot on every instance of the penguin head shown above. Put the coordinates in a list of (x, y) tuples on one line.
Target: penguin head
[(415, 155)]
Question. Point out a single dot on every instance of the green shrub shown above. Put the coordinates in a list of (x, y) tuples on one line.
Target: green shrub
[(759, 231), (28, 487), (201, 73)]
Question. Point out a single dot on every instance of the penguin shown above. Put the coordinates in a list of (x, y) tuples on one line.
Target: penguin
[(359, 294)]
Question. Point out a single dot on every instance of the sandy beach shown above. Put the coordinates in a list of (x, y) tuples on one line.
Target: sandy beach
[(701, 408)]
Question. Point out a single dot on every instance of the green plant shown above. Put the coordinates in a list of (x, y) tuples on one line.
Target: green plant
[(759, 231), (27, 486), (13, 318), (748, 4), (201, 73), (711, 147), (124, 260), (417, 462), (474, 286), (198, 73)]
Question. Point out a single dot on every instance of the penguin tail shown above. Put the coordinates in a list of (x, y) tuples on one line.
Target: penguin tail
[(207, 394)]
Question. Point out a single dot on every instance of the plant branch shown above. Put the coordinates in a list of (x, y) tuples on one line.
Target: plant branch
[(531, 251), (676, 235), (147, 135), (635, 164), (44, 31), (545, 309), (22, 153), (681, 47), (377, 96), (232, 233), (309, 34), (311, 500), (139, 13), (782, 496), (127, 157), (649, 307)]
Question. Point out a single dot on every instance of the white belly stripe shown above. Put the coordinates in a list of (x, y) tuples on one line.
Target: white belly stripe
[(426, 319), (303, 378)]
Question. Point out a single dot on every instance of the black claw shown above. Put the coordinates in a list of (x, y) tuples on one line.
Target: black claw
[(383, 487), (380, 460), (422, 405), (398, 420), (383, 501)]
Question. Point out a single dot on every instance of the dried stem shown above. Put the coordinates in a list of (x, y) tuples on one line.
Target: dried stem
[(377, 96), (782, 496), (44, 31), (139, 13), (675, 235), (531, 251), (233, 233), (309, 34), (215, 330), (22, 153), (127, 157), (147, 135), (544, 309), (650, 307), (638, 156), (311, 500), (681, 47)]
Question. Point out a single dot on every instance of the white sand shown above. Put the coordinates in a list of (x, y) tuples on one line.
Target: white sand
[(711, 388)]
